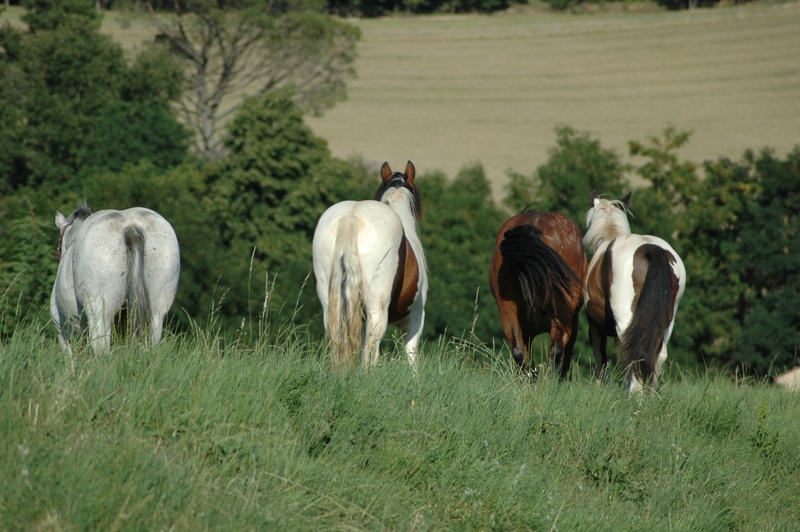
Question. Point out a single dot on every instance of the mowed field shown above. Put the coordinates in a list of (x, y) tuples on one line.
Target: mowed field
[(447, 91)]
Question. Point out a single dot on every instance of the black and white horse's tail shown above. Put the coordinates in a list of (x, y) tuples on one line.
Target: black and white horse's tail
[(642, 340), (544, 278), (137, 300), (345, 312)]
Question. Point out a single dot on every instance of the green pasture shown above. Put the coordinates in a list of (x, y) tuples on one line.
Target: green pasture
[(201, 433)]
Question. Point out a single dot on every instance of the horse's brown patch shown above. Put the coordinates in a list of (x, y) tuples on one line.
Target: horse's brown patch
[(598, 286), (640, 267), (406, 282)]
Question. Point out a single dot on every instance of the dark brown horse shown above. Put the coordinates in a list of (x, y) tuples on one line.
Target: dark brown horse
[(536, 276)]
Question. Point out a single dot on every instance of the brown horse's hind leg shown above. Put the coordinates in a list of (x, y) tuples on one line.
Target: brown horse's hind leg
[(562, 343), (518, 340)]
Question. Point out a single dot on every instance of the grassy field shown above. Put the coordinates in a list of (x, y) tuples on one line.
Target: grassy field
[(200, 434), (445, 91)]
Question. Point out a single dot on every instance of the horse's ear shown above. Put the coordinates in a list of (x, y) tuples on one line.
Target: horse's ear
[(386, 172), (627, 199), (594, 196), (410, 173), (60, 220)]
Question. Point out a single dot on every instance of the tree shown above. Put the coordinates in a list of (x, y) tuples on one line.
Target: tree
[(713, 307), (576, 166), (458, 231), (238, 47), (70, 104), (769, 263), (670, 184), (47, 15)]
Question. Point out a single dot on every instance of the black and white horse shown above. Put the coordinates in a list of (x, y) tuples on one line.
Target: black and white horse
[(634, 285)]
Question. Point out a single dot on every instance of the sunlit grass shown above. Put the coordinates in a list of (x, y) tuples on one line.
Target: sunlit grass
[(204, 432)]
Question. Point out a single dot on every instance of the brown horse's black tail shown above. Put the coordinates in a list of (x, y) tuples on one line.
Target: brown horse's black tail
[(642, 340), (544, 277)]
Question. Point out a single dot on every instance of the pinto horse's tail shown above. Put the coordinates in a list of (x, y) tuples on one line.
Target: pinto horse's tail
[(137, 300), (642, 340), (544, 278), (345, 312)]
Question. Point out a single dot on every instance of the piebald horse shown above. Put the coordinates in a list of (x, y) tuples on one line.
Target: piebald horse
[(536, 276), (370, 271), (114, 267), (633, 288)]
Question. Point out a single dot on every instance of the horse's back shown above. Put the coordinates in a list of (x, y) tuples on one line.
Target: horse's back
[(377, 226), (558, 231), (627, 256), (620, 269)]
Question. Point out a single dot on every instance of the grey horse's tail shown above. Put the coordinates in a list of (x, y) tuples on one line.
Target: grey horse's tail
[(137, 300)]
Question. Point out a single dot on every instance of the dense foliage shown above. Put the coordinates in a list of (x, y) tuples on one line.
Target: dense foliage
[(71, 105), (458, 232), (80, 121)]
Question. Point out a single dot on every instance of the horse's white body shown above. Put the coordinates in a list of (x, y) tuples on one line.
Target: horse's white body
[(357, 251), (109, 261), (624, 271)]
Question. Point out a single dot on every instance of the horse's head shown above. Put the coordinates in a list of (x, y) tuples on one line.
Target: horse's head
[(606, 220), (67, 224), (397, 180), (624, 203)]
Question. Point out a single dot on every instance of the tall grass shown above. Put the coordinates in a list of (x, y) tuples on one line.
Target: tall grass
[(205, 432)]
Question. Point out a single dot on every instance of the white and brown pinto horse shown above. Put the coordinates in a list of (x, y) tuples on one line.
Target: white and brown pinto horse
[(370, 271), (633, 287), (114, 268)]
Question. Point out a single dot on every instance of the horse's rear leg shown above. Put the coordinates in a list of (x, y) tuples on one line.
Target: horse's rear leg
[(156, 328), (412, 327), (375, 327), (100, 328), (562, 342), (518, 341)]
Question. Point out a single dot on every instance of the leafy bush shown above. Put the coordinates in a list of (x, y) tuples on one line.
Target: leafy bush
[(458, 232)]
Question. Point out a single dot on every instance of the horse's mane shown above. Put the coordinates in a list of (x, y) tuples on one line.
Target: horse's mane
[(406, 205), (81, 212), (607, 220), (530, 207)]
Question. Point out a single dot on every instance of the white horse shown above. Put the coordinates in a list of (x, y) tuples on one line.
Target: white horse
[(634, 285), (370, 270), (113, 266)]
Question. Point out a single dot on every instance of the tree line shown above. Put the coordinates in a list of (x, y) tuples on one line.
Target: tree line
[(79, 121)]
